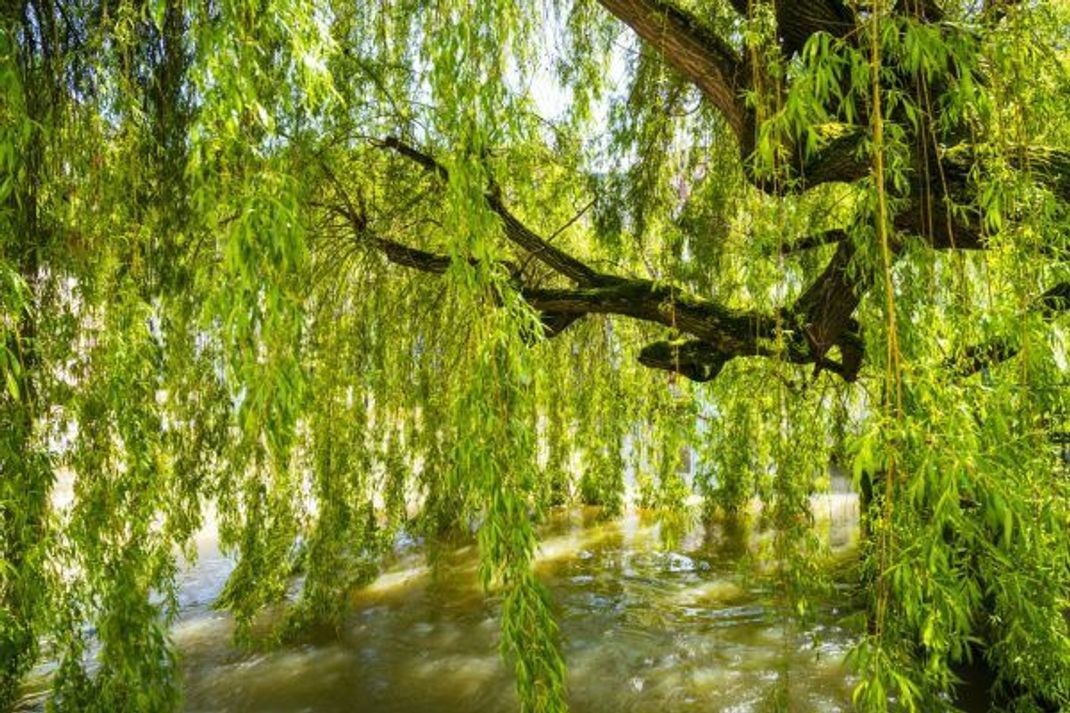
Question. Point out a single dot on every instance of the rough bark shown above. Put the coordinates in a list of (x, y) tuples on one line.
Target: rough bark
[(798, 20), (709, 62)]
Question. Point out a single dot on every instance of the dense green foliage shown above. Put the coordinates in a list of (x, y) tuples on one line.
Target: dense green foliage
[(279, 264)]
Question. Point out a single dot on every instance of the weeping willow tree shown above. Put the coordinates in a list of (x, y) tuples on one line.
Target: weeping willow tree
[(331, 270)]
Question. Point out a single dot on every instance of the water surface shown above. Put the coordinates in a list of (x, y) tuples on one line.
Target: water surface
[(652, 619)]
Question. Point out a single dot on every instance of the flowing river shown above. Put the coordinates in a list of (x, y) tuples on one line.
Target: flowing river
[(651, 620)]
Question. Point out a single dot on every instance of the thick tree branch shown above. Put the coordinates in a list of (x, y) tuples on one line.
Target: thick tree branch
[(693, 50), (728, 331), (417, 156), (838, 160), (824, 309), (721, 74), (409, 257), (695, 359), (719, 333), (702, 361), (798, 20), (820, 319)]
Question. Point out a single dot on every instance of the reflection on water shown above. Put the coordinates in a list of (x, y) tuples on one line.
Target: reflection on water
[(648, 624)]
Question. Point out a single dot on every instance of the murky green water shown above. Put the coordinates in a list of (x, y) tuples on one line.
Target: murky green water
[(650, 622)]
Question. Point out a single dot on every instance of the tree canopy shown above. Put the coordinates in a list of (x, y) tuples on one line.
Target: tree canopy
[(325, 271)]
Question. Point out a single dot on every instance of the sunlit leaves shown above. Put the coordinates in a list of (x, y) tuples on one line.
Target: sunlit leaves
[(194, 317)]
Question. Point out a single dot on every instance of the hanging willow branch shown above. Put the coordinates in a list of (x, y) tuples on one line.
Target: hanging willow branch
[(184, 186)]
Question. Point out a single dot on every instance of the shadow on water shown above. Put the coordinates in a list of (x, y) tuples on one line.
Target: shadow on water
[(651, 620)]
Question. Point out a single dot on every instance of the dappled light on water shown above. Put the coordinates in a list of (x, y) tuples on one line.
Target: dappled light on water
[(652, 619)]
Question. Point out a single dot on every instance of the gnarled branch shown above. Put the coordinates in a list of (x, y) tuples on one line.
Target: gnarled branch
[(717, 333)]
